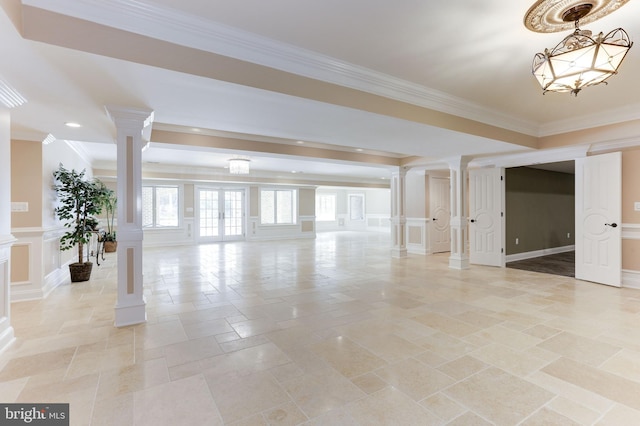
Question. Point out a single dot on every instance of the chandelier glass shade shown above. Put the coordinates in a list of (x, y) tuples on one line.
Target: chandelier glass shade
[(581, 60), (239, 166)]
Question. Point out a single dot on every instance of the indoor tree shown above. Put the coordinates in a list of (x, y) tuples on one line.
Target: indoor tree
[(79, 201)]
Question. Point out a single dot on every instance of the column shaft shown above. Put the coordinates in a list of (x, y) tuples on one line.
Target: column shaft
[(130, 123), (459, 258), (6, 239), (398, 213)]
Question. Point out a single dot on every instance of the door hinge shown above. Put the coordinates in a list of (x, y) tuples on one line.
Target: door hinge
[(501, 214), (501, 177), (501, 250)]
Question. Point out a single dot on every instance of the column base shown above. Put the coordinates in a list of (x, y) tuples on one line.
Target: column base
[(7, 336), (130, 315), (456, 262), (398, 252)]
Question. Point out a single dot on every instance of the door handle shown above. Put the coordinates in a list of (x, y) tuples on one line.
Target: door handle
[(434, 219), (472, 221), (613, 225)]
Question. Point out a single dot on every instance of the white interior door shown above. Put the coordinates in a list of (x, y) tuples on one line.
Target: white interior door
[(440, 209), (598, 217), (486, 217)]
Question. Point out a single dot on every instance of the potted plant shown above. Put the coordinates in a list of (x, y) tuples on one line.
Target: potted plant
[(109, 203), (79, 201)]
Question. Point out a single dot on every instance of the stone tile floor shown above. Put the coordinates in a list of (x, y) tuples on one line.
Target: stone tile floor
[(331, 331)]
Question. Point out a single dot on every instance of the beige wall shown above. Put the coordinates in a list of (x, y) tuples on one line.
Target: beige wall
[(19, 263), (630, 195), (254, 198), (189, 196), (307, 202), (26, 182), (630, 185)]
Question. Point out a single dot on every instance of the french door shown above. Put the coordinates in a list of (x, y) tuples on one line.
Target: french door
[(221, 214)]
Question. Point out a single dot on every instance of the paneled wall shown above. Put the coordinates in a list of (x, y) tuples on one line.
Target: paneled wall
[(38, 265)]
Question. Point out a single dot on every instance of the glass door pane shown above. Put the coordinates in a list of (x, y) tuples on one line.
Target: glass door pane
[(233, 213), (208, 213)]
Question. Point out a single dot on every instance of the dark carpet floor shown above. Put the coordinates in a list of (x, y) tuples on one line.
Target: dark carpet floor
[(557, 264)]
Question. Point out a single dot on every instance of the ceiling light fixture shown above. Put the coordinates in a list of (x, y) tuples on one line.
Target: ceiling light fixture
[(579, 60), (239, 166), (72, 124)]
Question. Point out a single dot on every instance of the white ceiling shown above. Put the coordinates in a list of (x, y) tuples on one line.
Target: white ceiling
[(464, 57)]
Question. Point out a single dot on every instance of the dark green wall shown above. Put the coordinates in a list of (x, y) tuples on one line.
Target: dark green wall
[(539, 209)]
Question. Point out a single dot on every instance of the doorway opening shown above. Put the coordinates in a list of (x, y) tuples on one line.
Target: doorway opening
[(540, 218)]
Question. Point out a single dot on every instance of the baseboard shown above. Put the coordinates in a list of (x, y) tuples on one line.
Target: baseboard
[(630, 279), (539, 253), (55, 279)]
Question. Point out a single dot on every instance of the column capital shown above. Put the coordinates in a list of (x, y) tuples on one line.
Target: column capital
[(131, 119), (400, 171), (459, 162)]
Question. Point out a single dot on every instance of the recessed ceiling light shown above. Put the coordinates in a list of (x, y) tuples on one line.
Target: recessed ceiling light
[(72, 124), (359, 149), (195, 129), (300, 142)]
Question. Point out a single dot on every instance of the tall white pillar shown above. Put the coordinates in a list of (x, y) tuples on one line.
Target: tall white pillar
[(133, 130), (398, 213), (6, 239), (459, 258)]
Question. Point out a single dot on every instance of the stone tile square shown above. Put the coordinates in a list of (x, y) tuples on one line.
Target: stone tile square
[(347, 357), (499, 397), (414, 378), (321, 391)]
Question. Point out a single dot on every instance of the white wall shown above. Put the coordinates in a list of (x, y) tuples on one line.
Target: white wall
[(377, 210), (416, 194)]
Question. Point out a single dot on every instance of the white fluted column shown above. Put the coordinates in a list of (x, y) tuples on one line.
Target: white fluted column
[(6, 239), (133, 130), (398, 213), (459, 258)]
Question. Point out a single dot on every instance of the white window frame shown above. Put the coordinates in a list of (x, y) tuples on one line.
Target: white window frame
[(154, 224), (294, 206), (335, 206)]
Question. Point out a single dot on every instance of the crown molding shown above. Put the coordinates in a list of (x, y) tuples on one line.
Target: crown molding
[(532, 157), (10, 97), (613, 116), (196, 32)]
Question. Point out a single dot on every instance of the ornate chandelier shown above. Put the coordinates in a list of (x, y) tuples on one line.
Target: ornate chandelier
[(579, 60)]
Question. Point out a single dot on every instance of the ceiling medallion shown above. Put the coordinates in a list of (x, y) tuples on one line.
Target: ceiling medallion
[(547, 16), (580, 60)]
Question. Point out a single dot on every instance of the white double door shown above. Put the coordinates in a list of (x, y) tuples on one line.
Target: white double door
[(598, 202), (220, 214)]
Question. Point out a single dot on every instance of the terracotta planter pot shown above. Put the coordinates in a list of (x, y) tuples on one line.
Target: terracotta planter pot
[(110, 246), (80, 271)]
